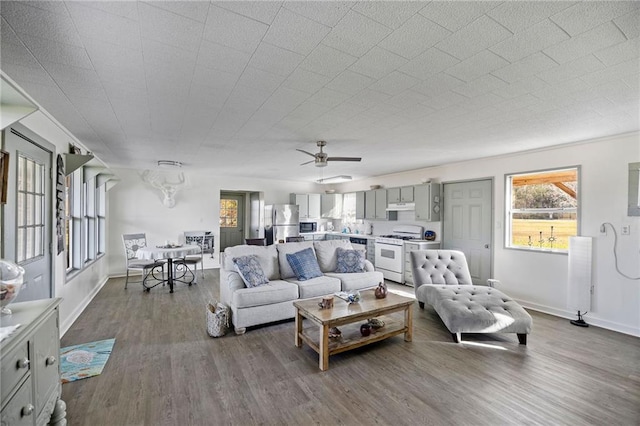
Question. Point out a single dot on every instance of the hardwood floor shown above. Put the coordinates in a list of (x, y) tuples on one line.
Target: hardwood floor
[(166, 370)]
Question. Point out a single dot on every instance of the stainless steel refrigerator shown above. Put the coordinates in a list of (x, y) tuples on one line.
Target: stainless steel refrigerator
[(281, 221)]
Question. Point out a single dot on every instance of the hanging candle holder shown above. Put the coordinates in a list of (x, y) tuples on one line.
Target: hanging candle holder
[(530, 243), (541, 241)]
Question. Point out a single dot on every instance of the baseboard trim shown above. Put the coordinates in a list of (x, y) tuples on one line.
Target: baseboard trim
[(590, 319), (65, 326)]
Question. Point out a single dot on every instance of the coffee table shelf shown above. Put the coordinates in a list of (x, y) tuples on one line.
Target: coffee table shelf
[(351, 337)]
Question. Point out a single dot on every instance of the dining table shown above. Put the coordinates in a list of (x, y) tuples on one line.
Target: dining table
[(168, 253)]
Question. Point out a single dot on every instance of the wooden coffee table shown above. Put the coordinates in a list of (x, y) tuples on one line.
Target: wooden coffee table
[(349, 317)]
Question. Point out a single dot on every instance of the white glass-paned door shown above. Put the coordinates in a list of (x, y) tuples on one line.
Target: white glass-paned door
[(30, 209)]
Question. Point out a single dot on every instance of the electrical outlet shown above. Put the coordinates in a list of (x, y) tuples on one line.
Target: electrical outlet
[(626, 230)]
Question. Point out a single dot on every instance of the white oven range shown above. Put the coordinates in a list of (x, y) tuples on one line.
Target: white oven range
[(390, 251)]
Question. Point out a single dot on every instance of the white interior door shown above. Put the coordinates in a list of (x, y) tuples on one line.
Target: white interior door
[(28, 212), (467, 224)]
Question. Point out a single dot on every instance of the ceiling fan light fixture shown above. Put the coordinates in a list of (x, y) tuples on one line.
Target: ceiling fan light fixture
[(169, 163)]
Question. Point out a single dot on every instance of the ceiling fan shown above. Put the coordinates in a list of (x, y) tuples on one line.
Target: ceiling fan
[(321, 159)]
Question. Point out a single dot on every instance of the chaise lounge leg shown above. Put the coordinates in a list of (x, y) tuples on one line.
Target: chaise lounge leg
[(421, 304), (522, 338), (457, 338), (240, 331)]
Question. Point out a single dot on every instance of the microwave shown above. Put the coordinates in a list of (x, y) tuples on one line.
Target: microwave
[(308, 227)]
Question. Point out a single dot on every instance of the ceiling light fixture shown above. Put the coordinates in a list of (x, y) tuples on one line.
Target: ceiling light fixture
[(169, 163), (335, 179)]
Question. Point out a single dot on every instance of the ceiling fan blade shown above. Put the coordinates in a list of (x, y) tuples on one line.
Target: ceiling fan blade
[(344, 159), (306, 152), (308, 162)]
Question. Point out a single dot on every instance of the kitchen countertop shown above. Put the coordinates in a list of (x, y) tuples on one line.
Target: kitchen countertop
[(339, 233)]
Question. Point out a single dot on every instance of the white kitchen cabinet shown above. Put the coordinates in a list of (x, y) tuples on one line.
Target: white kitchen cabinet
[(427, 201), (308, 205), (376, 205), (30, 376), (360, 205), (400, 195), (331, 206), (408, 248)]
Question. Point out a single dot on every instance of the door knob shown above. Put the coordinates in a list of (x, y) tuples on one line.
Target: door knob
[(486, 246)]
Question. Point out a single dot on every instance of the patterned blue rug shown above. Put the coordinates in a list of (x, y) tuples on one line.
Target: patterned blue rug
[(85, 360)]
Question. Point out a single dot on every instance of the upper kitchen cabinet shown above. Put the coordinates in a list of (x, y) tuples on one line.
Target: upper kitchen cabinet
[(427, 200), (360, 205), (331, 205), (376, 205), (400, 195), (308, 205)]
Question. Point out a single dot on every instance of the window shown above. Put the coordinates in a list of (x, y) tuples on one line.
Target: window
[(228, 213), (542, 209), (30, 210), (349, 208), (68, 220), (85, 219), (101, 213)]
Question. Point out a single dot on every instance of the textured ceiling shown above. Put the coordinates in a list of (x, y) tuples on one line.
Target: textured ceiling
[(238, 86)]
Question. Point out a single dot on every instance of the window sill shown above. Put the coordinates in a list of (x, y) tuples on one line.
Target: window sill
[(537, 250)]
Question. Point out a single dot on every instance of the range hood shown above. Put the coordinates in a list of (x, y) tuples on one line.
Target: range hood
[(397, 207)]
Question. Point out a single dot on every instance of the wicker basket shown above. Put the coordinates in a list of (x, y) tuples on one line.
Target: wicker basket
[(217, 319)]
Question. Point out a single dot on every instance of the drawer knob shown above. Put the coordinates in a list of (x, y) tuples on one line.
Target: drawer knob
[(23, 363), (50, 360), (27, 410)]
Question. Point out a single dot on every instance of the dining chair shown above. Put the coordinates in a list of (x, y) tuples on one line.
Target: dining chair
[(255, 241), (192, 261), (131, 243)]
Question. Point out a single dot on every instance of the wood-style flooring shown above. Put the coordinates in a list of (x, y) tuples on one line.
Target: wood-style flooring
[(166, 370)]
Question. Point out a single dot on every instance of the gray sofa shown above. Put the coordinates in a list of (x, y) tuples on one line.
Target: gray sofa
[(274, 301)]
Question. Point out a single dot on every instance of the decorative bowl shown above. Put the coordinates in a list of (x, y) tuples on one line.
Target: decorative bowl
[(11, 279)]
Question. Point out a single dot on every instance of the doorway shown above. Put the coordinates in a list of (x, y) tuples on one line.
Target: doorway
[(467, 224), (26, 221)]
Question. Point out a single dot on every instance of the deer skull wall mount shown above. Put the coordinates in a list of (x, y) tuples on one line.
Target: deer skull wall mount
[(169, 189)]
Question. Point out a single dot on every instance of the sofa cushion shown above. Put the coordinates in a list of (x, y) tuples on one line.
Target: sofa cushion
[(285, 269), (349, 261), (316, 287), (304, 264), (274, 292), (267, 256), (326, 253), (363, 280), (250, 270)]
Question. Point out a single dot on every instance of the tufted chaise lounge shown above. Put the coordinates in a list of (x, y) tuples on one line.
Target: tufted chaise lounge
[(442, 280)]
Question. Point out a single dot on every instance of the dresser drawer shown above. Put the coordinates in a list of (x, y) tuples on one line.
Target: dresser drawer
[(15, 366), (20, 411)]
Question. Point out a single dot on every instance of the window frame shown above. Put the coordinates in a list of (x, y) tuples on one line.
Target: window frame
[(508, 211), (87, 219)]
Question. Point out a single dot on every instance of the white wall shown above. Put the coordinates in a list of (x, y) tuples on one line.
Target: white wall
[(78, 291), (539, 280), (135, 206)]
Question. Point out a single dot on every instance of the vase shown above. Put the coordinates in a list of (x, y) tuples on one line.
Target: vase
[(381, 291)]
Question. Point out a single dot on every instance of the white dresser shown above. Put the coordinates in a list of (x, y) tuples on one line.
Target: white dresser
[(415, 245), (30, 369)]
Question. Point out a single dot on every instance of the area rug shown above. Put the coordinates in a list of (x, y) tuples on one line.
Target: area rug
[(85, 360)]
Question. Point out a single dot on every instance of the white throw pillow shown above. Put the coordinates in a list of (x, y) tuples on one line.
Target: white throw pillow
[(326, 253)]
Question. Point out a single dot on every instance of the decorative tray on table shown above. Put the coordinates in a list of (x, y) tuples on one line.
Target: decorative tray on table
[(169, 246)]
